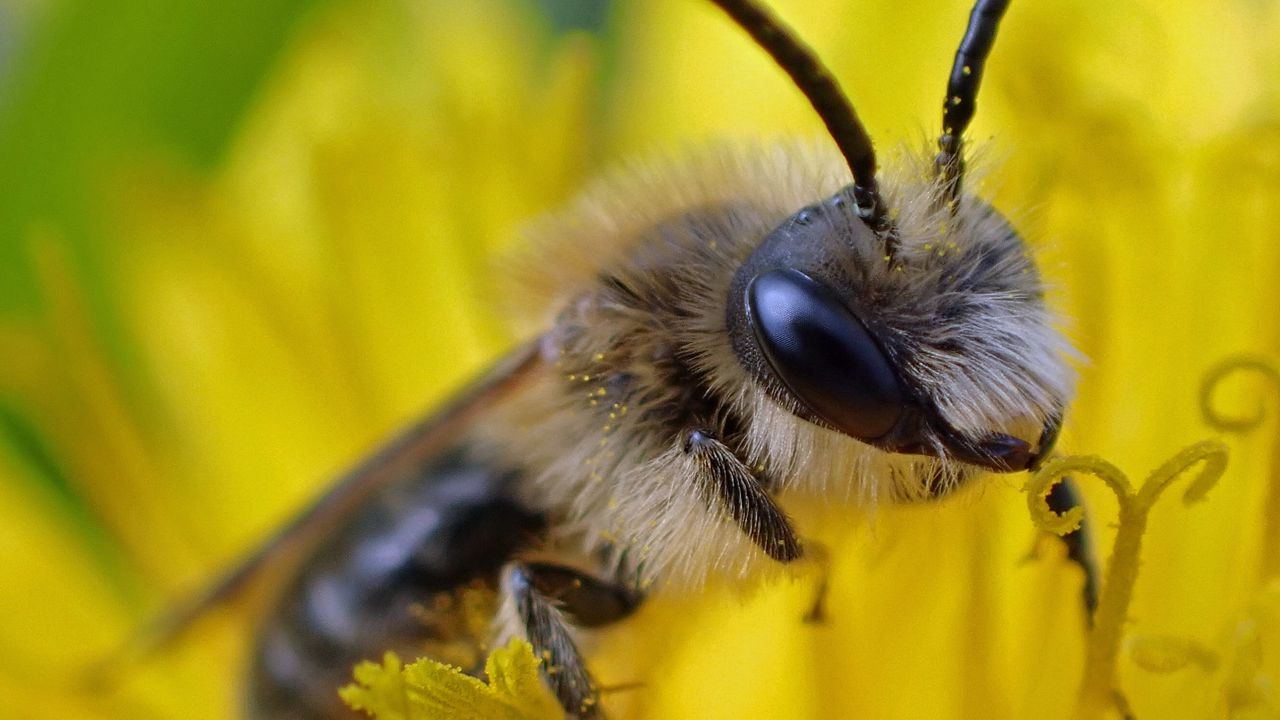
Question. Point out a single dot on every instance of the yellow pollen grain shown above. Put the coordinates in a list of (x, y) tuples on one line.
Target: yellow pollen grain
[(598, 357)]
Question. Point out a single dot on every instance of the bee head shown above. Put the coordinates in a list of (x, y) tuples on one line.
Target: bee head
[(806, 318), (801, 320)]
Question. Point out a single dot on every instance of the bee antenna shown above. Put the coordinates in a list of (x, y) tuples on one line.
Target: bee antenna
[(824, 94), (962, 92)]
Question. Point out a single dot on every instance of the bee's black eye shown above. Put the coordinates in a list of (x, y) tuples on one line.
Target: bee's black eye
[(824, 354)]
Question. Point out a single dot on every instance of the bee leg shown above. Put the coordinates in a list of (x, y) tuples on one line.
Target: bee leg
[(547, 599), (727, 483), (818, 555), (1063, 497)]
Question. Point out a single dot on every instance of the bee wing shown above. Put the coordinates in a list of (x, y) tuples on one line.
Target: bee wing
[(407, 451)]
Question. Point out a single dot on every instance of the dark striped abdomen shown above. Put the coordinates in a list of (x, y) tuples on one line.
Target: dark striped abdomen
[(397, 576)]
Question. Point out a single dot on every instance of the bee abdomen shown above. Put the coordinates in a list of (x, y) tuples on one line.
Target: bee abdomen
[(414, 572)]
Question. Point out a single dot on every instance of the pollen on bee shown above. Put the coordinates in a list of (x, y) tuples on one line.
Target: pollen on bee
[(966, 70), (598, 357), (955, 100), (613, 503)]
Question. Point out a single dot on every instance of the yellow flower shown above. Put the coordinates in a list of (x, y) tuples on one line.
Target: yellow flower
[(244, 332), (427, 689)]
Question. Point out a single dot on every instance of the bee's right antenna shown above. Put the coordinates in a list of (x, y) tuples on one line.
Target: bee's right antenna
[(817, 84), (962, 92)]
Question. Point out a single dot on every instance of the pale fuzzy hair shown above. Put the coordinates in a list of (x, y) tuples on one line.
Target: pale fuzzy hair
[(614, 477)]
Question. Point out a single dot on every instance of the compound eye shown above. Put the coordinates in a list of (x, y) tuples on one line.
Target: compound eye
[(824, 354)]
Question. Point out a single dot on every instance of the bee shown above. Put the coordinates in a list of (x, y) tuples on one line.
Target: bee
[(739, 327)]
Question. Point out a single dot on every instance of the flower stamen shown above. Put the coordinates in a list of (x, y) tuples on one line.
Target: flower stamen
[(1241, 425), (1099, 691)]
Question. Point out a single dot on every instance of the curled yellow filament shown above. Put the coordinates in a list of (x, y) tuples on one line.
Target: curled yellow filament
[(1213, 380), (1099, 691), (1241, 424)]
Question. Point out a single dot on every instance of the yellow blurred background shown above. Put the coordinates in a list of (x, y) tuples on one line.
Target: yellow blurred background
[(242, 241)]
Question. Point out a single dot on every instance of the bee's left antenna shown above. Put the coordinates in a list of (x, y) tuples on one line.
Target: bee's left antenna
[(818, 85), (962, 92)]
